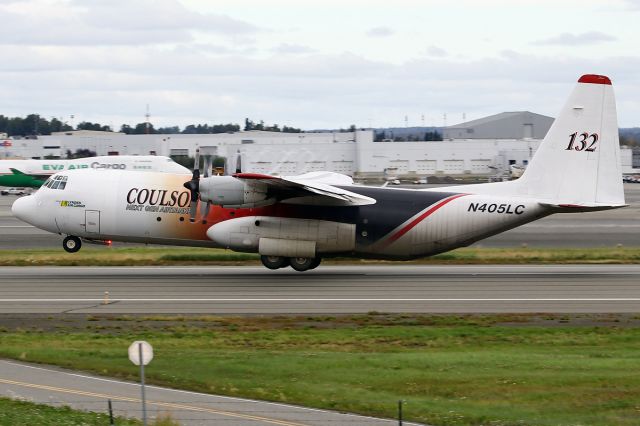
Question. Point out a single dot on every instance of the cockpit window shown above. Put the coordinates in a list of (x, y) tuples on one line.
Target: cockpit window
[(56, 182)]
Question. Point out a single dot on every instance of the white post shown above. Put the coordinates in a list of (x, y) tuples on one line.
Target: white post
[(144, 406)]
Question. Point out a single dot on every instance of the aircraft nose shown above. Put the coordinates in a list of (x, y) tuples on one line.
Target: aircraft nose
[(24, 208)]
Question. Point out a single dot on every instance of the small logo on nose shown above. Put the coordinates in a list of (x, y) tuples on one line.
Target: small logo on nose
[(67, 203)]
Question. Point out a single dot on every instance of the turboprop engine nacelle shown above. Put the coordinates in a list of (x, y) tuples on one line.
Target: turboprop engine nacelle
[(231, 192), (281, 236)]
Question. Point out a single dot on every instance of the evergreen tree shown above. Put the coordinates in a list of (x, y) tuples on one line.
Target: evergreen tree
[(173, 130), (80, 153), (86, 125), (287, 129)]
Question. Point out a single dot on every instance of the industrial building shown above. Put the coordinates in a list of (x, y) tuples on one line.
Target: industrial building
[(353, 153), (506, 125)]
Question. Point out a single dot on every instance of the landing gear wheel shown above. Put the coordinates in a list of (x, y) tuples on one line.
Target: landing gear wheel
[(302, 264), (71, 244), (274, 262), (316, 262)]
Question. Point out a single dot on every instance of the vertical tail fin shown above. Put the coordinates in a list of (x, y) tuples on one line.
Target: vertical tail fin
[(578, 162)]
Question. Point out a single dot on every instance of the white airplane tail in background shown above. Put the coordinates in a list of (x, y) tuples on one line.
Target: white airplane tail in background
[(578, 162)]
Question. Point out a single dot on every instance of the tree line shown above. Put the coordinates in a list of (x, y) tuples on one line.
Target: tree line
[(34, 124), (630, 137), (382, 136)]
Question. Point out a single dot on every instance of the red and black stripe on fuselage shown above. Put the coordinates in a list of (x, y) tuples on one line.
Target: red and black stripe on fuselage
[(394, 214)]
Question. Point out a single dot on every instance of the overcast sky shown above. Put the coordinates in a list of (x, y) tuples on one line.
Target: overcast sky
[(311, 64)]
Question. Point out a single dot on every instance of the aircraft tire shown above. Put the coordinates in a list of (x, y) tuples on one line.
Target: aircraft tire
[(316, 263), (274, 262), (71, 244), (302, 264)]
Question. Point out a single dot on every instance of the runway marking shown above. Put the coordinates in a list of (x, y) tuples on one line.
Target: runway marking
[(156, 403), (505, 299)]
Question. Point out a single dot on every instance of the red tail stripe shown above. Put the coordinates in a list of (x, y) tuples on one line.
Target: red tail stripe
[(420, 218), (594, 79)]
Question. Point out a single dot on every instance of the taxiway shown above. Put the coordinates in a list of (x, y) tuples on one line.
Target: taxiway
[(59, 387)]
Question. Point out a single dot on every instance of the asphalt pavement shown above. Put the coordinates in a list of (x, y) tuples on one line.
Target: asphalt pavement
[(58, 387), (326, 290)]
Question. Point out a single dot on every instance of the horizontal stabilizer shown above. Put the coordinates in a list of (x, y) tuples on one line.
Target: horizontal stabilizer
[(585, 207)]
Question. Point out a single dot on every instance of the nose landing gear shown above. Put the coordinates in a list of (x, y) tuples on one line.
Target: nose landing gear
[(71, 244)]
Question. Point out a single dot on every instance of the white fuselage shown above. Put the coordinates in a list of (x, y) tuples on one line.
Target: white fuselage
[(154, 208)]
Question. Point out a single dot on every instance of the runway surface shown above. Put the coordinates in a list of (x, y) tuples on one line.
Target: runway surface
[(597, 229), (328, 289), (58, 387)]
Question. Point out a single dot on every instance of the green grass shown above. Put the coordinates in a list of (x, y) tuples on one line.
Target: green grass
[(461, 370), (13, 413), (109, 256), (156, 256)]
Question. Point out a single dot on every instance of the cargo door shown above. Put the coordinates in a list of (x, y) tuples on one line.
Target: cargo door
[(92, 221)]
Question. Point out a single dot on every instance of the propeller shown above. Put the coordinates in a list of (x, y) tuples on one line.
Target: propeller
[(194, 184), (239, 163), (194, 187), (208, 171), (227, 164)]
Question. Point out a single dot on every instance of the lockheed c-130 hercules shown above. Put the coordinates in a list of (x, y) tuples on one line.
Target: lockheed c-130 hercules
[(295, 221)]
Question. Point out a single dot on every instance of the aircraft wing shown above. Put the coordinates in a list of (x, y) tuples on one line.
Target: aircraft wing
[(315, 188)]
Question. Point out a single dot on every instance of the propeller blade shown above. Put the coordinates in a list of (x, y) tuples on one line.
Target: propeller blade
[(208, 166), (194, 210), (196, 163), (239, 163), (204, 209), (194, 187)]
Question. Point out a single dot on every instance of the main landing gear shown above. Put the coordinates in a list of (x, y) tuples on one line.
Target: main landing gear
[(300, 264), (71, 244)]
